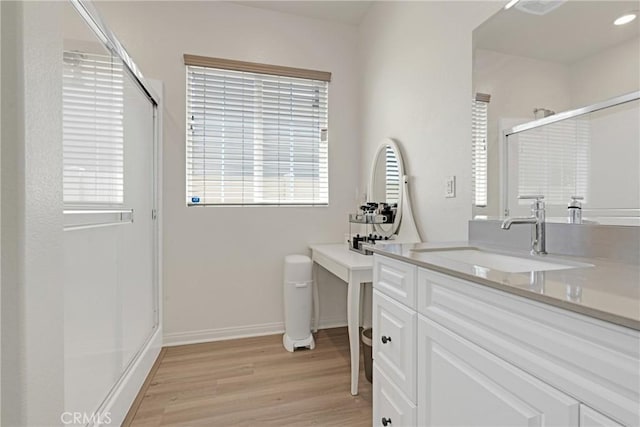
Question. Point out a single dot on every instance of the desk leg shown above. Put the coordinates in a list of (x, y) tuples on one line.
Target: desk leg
[(353, 318), (316, 299)]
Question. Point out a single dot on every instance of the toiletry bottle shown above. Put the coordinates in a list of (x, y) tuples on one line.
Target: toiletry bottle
[(575, 210)]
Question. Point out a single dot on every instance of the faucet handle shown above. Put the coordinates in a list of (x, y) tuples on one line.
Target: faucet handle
[(538, 201), (577, 197), (531, 197)]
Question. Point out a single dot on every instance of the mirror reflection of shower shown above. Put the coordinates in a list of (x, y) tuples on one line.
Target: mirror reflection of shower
[(538, 67)]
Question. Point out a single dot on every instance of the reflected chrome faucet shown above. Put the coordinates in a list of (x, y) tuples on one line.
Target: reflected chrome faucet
[(536, 220)]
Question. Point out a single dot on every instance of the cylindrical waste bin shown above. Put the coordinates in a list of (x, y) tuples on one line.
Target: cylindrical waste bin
[(366, 353), (297, 302)]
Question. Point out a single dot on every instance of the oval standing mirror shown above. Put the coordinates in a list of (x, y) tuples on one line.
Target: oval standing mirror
[(385, 184)]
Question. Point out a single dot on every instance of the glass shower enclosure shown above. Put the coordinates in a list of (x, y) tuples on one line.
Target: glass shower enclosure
[(111, 293)]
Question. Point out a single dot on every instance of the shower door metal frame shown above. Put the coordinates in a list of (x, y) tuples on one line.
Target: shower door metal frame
[(92, 17)]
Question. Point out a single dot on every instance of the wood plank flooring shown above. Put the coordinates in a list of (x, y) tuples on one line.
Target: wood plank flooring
[(255, 382)]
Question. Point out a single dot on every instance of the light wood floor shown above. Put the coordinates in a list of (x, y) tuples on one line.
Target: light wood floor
[(255, 382)]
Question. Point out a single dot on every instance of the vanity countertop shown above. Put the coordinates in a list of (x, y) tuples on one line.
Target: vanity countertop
[(606, 290)]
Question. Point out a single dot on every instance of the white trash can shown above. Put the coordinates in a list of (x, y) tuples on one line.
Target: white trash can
[(297, 302)]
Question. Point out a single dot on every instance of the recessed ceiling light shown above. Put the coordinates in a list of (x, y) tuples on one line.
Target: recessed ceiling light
[(511, 4), (625, 19)]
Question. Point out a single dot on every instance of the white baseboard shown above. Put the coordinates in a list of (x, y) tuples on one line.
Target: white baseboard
[(120, 399), (335, 322), (234, 332)]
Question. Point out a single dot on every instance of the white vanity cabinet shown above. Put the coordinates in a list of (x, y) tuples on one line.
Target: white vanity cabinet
[(457, 353), (464, 385)]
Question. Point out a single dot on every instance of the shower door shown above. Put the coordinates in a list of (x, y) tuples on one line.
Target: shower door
[(111, 296)]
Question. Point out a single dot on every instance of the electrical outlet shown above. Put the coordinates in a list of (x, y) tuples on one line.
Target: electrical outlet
[(450, 187)]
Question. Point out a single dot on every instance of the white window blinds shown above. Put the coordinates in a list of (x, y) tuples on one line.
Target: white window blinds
[(554, 160), (479, 118), (393, 177), (93, 133), (256, 139)]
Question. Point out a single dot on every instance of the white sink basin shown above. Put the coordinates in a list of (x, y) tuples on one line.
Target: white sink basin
[(505, 263)]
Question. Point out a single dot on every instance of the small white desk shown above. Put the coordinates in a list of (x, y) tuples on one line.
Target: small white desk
[(355, 269)]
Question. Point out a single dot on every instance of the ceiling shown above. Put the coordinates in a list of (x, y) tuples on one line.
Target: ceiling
[(346, 12), (573, 31)]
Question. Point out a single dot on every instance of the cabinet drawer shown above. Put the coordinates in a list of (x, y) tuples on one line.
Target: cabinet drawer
[(461, 384), (396, 279), (594, 361), (592, 418), (394, 342), (390, 407)]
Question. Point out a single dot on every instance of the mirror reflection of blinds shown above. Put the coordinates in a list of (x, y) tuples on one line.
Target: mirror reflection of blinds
[(392, 189), (256, 139), (554, 160), (479, 152), (93, 130)]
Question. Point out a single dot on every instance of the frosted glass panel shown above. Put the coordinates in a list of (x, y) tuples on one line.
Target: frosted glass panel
[(110, 294), (135, 261)]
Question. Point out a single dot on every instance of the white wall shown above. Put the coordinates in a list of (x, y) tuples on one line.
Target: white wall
[(609, 73), (32, 291), (416, 72), (517, 85), (223, 265)]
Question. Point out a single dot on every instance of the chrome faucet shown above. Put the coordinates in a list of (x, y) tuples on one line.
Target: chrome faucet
[(536, 220)]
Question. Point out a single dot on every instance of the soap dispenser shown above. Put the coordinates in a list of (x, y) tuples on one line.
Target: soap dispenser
[(575, 210)]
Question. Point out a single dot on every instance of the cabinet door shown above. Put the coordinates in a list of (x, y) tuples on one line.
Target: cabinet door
[(461, 384), (591, 418), (390, 407), (394, 342)]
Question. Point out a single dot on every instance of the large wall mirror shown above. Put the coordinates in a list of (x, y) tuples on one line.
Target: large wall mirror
[(539, 59)]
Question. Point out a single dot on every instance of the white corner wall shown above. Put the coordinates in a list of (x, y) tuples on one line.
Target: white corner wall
[(223, 266), (416, 68), (609, 73), (32, 284)]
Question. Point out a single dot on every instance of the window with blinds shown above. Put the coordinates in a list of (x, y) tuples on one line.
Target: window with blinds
[(255, 138), (479, 119), (554, 160), (93, 131)]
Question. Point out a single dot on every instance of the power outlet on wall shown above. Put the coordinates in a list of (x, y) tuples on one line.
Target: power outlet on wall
[(450, 187)]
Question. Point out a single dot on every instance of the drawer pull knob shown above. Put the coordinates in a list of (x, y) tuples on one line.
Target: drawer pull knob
[(384, 341), (386, 421)]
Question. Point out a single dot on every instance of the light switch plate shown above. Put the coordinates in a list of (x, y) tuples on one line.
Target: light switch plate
[(450, 187)]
